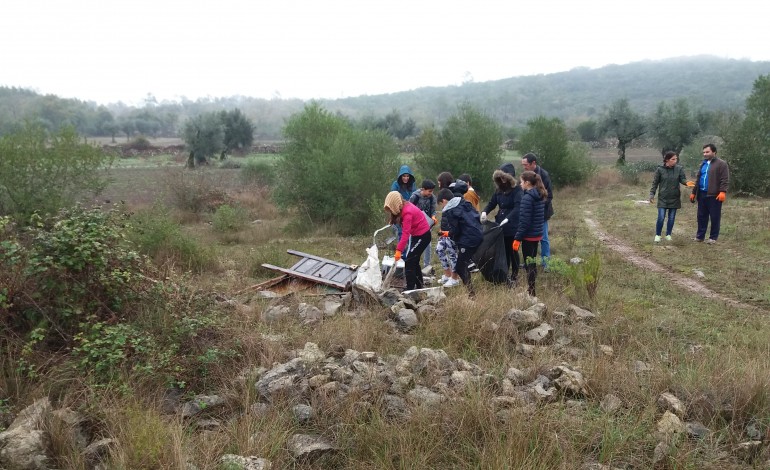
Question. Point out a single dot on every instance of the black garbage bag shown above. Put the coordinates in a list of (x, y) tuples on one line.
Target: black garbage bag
[(490, 255)]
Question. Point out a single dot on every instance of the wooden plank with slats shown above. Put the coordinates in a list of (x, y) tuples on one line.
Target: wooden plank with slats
[(319, 270)]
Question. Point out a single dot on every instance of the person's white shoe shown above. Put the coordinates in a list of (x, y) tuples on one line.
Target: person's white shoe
[(668, 238), (452, 283), (657, 238), (444, 278)]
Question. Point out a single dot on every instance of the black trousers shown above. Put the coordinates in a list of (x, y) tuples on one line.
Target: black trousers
[(529, 251), (414, 250), (512, 257), (708, 208)]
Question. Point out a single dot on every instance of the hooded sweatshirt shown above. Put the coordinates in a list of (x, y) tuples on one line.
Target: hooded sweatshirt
[(405, 190), (461, 220)]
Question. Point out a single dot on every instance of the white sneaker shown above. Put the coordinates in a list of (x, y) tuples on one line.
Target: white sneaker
[(668, 238), (452, 283), (444, 278), (657, 238)]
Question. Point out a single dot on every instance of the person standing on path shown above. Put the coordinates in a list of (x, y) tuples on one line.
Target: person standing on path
[(668, 176), (710, 192)]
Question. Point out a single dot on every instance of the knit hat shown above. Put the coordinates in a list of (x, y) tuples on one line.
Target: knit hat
[(459, 187), (394, 202)]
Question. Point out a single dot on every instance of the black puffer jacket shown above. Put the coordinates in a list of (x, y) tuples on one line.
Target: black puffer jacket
[(507, 198), (531, 215), (461, 220)]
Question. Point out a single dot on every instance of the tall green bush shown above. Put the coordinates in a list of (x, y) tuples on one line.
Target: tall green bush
[(328, 167), (567, 162), (747, 144), (468, 143), (45, 173)]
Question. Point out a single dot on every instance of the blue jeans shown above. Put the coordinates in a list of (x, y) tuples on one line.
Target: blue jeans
[(545, 245), (669, 223)]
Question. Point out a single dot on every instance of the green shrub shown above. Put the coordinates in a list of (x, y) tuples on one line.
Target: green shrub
[(568, 163), (229, 219), (157, 235), (257, 172), (196, 191), (44, 173), (629, 174), (328, 167), (583, 277), (62, 270), (139, 143)]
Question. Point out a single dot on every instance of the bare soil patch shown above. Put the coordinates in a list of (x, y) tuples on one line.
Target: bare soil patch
[(647, 264)]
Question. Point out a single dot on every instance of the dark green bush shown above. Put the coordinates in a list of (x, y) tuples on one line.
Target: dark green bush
[(62, 270)]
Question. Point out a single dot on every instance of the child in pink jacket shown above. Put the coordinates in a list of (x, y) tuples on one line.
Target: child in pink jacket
[(415, 236)]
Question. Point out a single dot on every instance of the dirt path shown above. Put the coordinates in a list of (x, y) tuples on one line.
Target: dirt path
[(640, 261)]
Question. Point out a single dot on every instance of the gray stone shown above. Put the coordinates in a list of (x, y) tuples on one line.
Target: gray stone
[(24, 443), (98, 450), (696, 430), (670, 425), (244, 463), (308, 446), (201, 403), (521, 318), (606, 350), (309, 313), (303, 413), (407, 319), (610, 403), (568, 380), (539, 335), (420, 395), (331, 307), (515, 375), (275, 313), (660, 453), (579, 314), (669, 402)]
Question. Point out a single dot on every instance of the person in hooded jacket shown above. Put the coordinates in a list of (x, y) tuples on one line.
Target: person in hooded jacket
[(415, 236), (668, 176), (529, 230), (507, 197), (460, 223), (405, 182)]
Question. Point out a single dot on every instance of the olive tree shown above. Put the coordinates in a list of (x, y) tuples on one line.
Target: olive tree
[(673, 126), (204, 136), (624, 124)]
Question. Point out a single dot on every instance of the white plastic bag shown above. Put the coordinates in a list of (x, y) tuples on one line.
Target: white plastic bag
[(369, 274)]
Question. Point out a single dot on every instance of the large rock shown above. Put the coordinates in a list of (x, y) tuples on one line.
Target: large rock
[(579, 314), (201, 403), (540, 334), (521, 319), (308, 446), (24, 443)]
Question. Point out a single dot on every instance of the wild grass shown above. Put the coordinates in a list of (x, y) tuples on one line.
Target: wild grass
[(712, 355)]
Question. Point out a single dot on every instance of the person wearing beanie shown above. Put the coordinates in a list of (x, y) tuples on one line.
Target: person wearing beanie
[(415, 236), (507, 198)]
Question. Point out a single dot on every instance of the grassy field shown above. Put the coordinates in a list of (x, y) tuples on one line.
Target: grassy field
[(714, 356)]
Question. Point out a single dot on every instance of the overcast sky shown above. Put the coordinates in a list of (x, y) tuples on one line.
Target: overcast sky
[(111, 50)]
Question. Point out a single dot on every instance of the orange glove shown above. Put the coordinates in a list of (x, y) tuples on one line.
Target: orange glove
[(445, 233), (397, 255), (692, 198), (721, 196), (516, 245), (690, 184)]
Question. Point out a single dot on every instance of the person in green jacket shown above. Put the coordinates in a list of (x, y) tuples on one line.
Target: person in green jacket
[(668, 177)]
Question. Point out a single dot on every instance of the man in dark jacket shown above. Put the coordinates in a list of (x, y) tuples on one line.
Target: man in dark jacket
[(529, 162), (460, 222), (710, 191)]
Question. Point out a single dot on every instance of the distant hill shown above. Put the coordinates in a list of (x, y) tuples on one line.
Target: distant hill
[(709, 83)]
